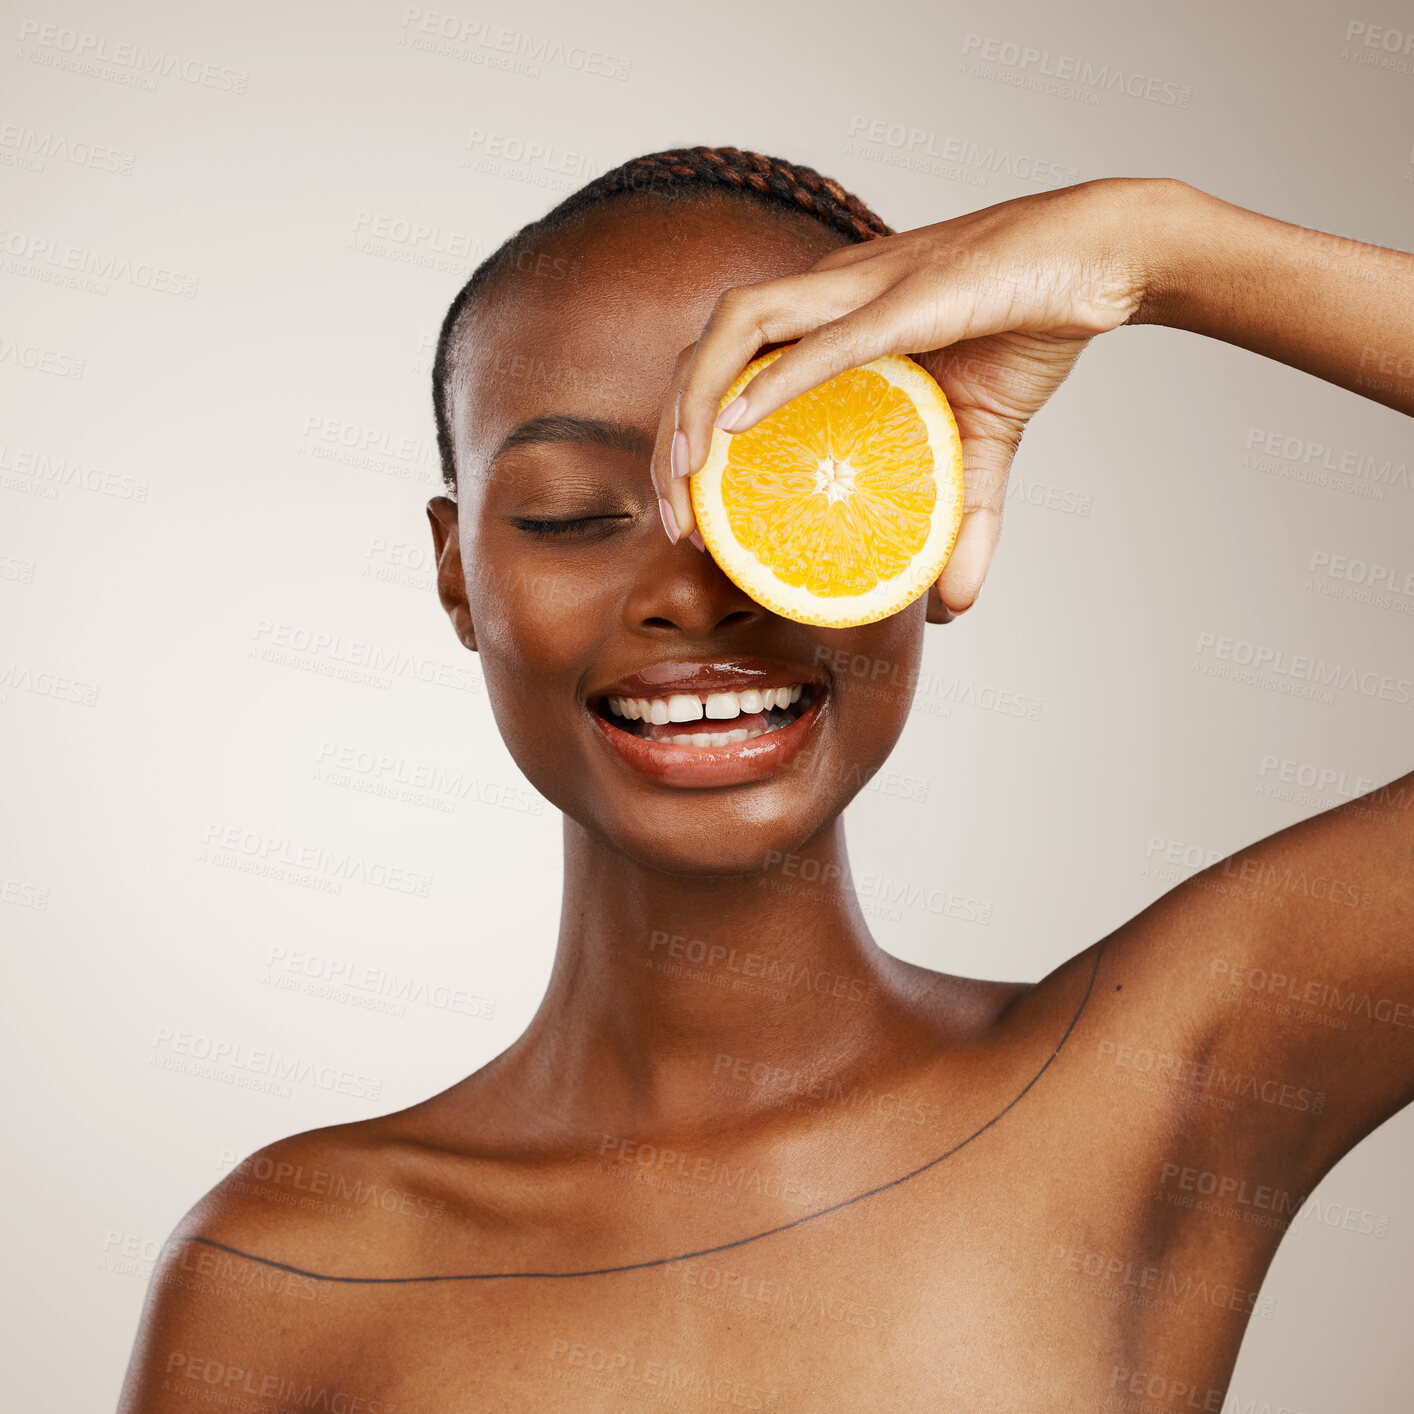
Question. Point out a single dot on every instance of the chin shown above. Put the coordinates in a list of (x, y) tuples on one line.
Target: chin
[(721, 843)]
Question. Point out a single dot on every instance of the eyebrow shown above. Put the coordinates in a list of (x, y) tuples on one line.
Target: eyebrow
[(591, 430)]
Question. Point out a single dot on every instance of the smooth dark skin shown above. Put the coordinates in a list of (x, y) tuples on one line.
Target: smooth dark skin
[(963, 1288)]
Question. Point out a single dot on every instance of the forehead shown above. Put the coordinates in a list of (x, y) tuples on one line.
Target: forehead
[(591, 322)]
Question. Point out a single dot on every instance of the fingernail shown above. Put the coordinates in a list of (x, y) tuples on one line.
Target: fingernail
[(682, 466), (670, 521), (731, 414), (696, 539)]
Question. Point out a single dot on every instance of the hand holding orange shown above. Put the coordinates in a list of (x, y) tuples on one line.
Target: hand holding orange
[(996, 305), (841, 507)]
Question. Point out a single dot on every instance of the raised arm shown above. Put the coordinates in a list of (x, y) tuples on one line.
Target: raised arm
[(999, 303), (1336, 308), (1290, 965)]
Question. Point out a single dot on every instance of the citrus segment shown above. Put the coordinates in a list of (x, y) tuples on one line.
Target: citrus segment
[(843, 506)]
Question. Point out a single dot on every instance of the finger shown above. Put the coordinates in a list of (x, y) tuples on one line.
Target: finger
[(750, 316), (672, 491), (961, 580), (852, 254), (989, 444), (900, 321)]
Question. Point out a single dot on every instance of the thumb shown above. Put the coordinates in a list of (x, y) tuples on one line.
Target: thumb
[(989, 442)]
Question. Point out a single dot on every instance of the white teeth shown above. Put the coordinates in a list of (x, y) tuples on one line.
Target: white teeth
[(722, 706), (714, 738), (716, 706), (682, 708)]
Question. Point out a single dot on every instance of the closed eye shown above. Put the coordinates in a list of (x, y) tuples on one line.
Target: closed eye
[(549, 528)]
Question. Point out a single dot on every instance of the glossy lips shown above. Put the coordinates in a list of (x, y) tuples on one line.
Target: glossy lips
[(713, 701)]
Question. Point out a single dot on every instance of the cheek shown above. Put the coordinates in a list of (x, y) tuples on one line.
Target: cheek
[(874, 669), (539, 632)]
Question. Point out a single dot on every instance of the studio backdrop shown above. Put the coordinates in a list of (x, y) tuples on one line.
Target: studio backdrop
[(266, 864)]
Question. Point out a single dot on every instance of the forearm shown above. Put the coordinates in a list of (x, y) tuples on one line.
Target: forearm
[(1336, 308)]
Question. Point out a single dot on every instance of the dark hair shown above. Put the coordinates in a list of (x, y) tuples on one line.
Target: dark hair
[(681, 171)]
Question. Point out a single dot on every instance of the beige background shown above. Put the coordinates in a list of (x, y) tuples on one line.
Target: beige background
[(238, 472)]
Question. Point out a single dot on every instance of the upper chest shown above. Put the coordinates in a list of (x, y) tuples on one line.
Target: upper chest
[(1039, 1263)]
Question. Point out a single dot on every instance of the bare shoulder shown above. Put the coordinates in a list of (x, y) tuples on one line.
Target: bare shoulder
[(250, 1278)]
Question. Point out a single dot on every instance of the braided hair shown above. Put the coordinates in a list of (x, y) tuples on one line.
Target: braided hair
[(682, 171)]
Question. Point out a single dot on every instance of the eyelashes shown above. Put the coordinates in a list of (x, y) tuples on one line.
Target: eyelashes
[(550, 529)]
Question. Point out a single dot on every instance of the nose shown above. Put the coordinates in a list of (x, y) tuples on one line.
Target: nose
[(679, 589)]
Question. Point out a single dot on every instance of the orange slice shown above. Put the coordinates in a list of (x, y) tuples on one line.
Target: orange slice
[(843, 506)]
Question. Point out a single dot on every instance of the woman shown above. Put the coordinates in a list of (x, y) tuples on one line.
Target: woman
[(742, 1156)]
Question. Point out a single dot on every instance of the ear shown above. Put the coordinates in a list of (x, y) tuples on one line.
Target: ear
[(451, 582)]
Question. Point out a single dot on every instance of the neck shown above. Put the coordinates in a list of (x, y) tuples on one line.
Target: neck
[(669, 991)]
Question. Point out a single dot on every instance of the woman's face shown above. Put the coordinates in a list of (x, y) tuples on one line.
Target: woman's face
[(564, 368)]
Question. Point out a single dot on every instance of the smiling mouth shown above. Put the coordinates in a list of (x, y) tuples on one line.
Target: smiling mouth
[(708, 719)]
